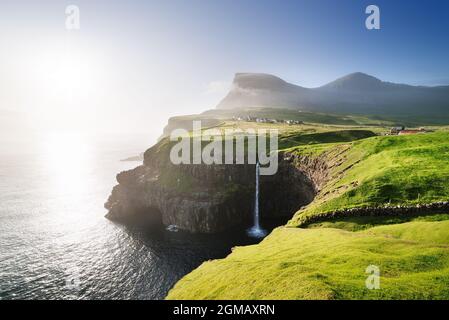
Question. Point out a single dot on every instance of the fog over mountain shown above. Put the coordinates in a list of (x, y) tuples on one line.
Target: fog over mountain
[(354, 93)]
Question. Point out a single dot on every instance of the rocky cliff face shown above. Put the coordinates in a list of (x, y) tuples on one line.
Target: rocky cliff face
[(209, 198)]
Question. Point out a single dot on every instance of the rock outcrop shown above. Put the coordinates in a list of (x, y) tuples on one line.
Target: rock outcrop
[(204, 198)]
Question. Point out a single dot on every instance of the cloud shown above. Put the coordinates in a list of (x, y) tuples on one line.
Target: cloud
[(218, 87)]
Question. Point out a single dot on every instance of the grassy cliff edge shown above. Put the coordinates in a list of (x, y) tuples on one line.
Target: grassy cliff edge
[(328, 262)]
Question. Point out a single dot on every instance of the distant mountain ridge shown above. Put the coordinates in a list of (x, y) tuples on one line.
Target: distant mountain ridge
[(354, 93)]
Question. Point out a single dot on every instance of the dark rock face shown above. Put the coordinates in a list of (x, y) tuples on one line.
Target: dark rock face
[(282, 194), (209, 198)]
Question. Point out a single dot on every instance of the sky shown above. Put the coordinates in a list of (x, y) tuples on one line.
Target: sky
[(132, 64)]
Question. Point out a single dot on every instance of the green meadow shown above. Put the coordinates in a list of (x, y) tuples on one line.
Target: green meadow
[(329, 263), (327, 258), (381, 171)]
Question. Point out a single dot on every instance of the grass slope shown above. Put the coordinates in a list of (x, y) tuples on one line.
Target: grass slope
[(383, 170), (288, 140), (358, 223), (294, 263), (305, 116), (328, 259)]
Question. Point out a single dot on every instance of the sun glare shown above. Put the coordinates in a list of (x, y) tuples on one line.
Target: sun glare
[(66, 74), (62, 83), (67, 158)]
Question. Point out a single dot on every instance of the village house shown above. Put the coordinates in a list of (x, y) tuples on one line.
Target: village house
[(293, 122), (266, 120), (396, 130), (401, 130)]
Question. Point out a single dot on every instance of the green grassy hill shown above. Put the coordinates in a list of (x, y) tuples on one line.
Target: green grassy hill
[(381, 171), (327, 263), (321, 255), (290, 139)]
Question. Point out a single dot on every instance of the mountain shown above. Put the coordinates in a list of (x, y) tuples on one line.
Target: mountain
[(354, 93), (356, 81)]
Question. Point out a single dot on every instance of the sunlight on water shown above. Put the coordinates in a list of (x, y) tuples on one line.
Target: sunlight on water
[(56, 242), (69, 162), (67, 159)]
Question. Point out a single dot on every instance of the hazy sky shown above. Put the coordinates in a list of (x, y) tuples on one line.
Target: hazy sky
[(135, 63)]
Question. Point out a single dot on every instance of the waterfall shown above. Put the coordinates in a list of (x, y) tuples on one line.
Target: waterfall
[(256, 200), (255, 230)]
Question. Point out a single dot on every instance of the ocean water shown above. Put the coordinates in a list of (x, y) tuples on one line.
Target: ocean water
[(55, 242)]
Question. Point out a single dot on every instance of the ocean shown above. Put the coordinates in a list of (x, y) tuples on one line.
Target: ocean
[(55, 242)]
